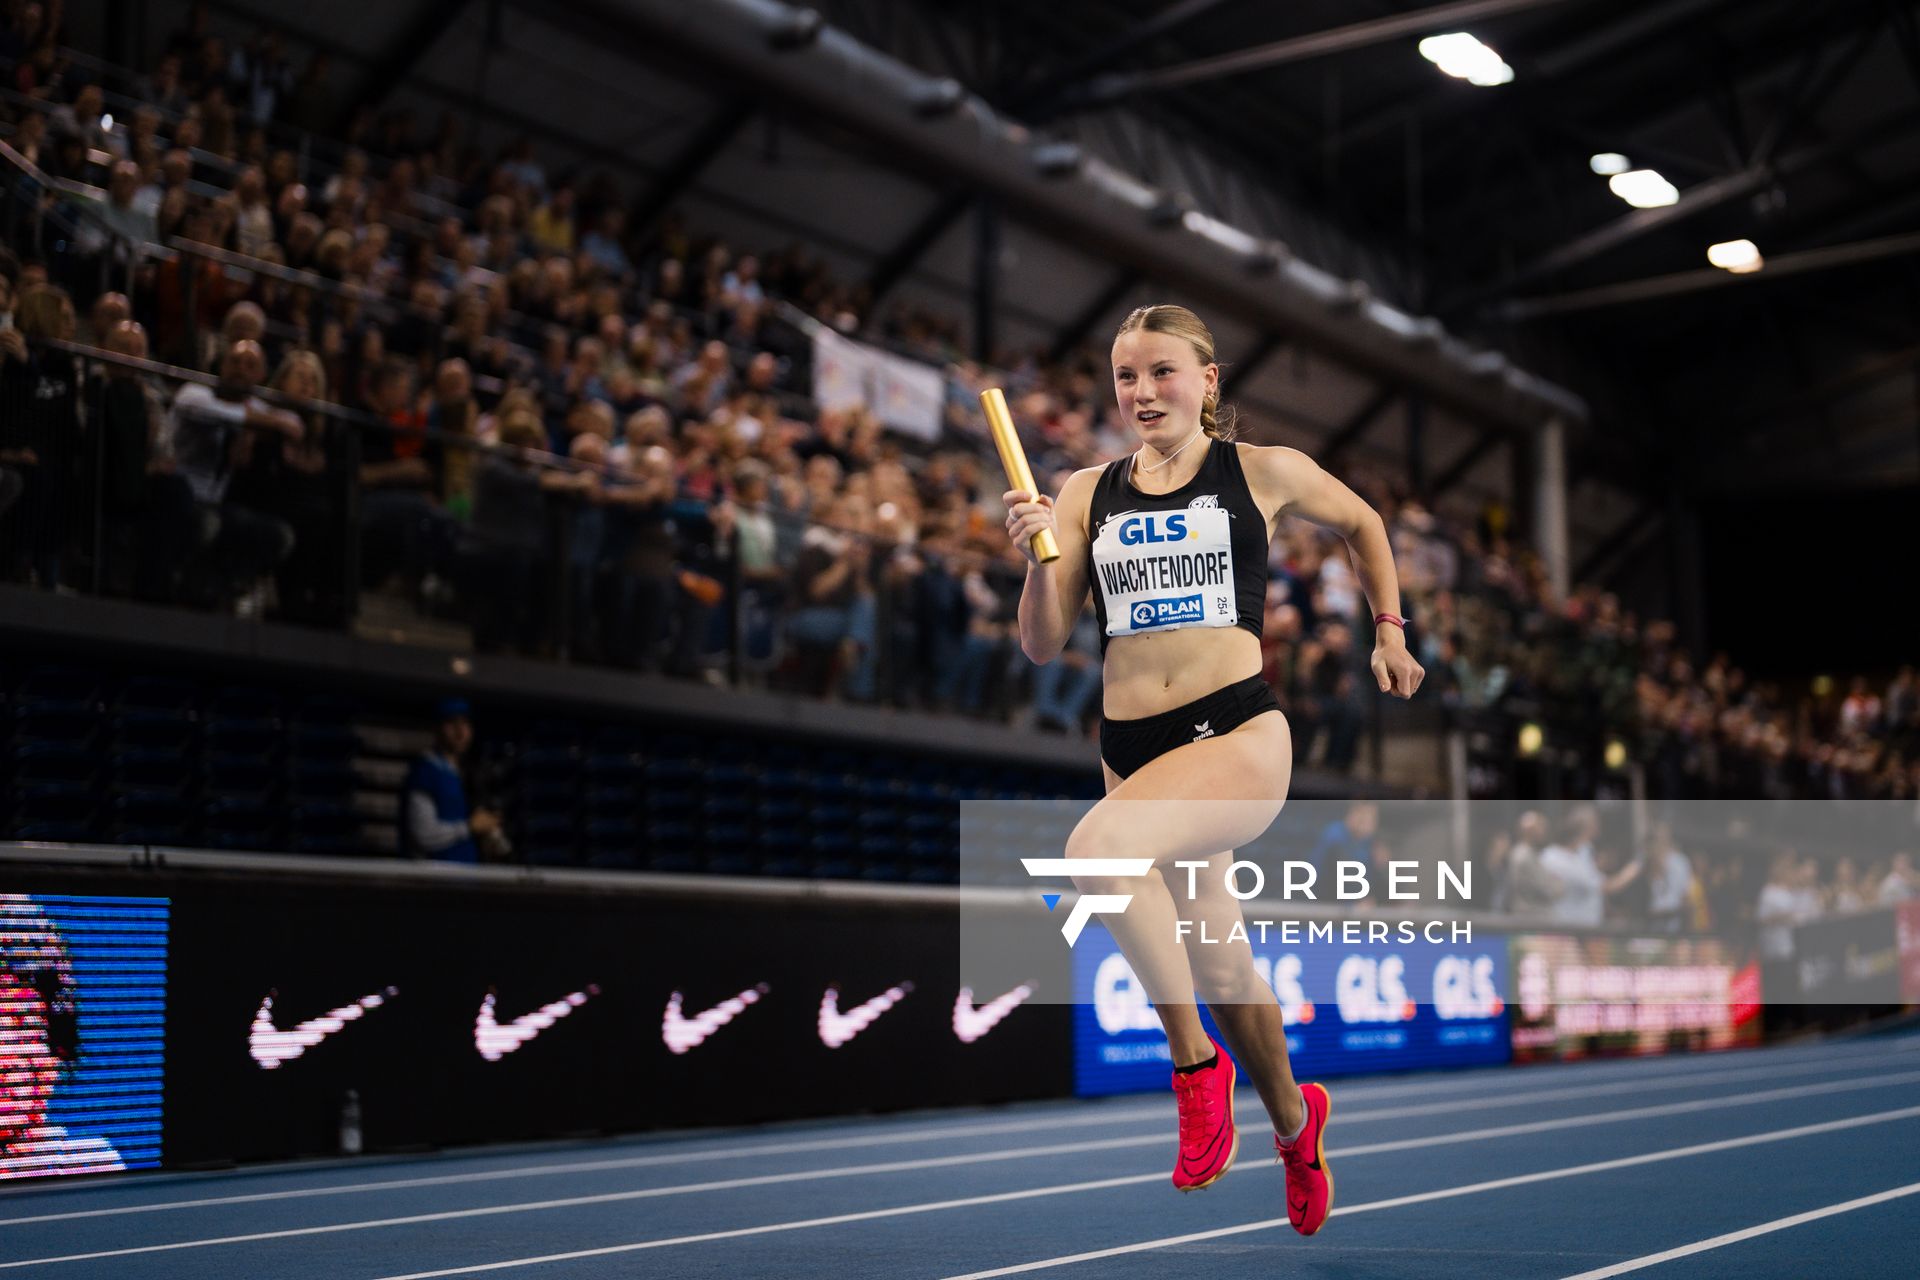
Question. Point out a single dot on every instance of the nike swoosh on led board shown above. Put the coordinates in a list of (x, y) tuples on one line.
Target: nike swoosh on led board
[(681, 1033), (270, 1046), (495, 1040), (969, 1023), (836, 1027)]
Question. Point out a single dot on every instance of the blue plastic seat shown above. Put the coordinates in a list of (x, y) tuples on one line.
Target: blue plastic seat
[(548, 828), (56, 726), (548, 793), (59, 688), (318, 777), (673, 770), (614, 858), (147, 699), (550, 855), (331, 844), (731, 848), (547, 760)]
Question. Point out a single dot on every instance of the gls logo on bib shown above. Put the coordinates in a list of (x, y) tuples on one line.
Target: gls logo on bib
[(1143, 529), (1168, 612)]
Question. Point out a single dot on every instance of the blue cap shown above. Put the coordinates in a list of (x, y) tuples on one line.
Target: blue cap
[(455, 709)]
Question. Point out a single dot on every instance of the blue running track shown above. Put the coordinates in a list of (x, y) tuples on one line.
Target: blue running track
[(1783, 1162)]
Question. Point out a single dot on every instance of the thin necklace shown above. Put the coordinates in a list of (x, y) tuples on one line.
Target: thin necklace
[(1169, 458)]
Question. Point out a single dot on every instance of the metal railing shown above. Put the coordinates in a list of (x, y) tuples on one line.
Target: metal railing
[(658, 584)]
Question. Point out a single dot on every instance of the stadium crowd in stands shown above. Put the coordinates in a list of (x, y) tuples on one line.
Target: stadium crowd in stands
[(467, 300), (1569, 870)]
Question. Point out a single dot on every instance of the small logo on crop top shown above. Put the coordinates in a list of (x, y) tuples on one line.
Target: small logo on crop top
[(1204, 501)]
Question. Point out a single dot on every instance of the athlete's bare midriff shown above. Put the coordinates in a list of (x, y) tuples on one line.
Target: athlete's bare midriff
[(1145, 675)]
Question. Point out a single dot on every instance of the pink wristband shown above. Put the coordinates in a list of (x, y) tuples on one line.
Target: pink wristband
[(1394, 618)]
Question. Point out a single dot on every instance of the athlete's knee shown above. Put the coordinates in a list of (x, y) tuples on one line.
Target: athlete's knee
[(1224, 974), (1095, 837)]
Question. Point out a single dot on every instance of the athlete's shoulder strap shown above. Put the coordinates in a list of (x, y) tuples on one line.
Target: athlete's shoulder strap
[(1108, 486)]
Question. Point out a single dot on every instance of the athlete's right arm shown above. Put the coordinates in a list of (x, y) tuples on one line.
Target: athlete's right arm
[(1055, 593)]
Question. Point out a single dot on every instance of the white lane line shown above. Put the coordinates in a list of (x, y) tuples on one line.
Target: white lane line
[(1699, 1068), (1751, 1140), (610, 1197), (1635, 1113), (831, 1144), (1424, 1197), (900, 1166), (1747, 1233), (1681, 1072), (1158, 1114)]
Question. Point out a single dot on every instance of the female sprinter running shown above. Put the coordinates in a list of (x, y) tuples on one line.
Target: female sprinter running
[(1172, 540)]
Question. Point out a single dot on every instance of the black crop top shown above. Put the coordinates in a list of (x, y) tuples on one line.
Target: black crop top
[(1195, 557)]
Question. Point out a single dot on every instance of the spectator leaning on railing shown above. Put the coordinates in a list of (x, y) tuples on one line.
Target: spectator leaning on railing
[(1670, 881), (510, 539), (1532, 889), (207, 436), (150, 517), (40, 436), (300, 482), (405, 527), (1901, 882), (1783, 903)]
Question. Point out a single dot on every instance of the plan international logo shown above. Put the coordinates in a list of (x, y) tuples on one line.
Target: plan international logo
[(1167, 612)]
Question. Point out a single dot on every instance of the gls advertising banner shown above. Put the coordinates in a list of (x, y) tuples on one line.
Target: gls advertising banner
[(1348, 1009)]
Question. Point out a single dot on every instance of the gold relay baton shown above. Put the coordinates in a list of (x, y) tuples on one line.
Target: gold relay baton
[(1012, 457)]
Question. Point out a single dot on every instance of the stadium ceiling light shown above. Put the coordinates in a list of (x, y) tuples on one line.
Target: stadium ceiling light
[(1464, 58), (1530, 739), (1738, 256), (1608, 163), (1643, 189)]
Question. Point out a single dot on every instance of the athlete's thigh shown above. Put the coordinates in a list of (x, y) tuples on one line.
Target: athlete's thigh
[(1198, 799)]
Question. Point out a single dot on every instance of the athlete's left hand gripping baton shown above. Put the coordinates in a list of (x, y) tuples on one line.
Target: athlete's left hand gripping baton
[(1012, 457)]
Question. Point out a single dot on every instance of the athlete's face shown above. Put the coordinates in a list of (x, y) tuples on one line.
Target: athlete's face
[(1160, 383), (28, 1069)]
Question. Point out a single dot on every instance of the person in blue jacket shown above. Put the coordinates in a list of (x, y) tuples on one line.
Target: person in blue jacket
[(434, 819)]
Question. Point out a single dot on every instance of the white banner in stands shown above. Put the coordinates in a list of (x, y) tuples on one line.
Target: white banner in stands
[(907, 396)]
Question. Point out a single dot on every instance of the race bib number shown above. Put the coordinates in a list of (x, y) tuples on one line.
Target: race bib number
[(1162, 570)]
